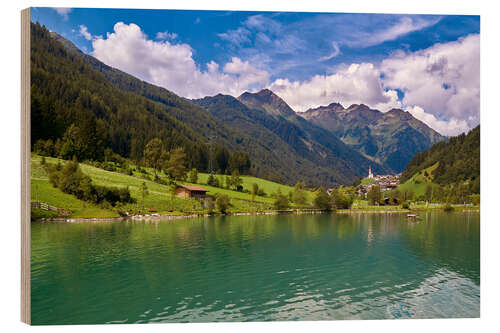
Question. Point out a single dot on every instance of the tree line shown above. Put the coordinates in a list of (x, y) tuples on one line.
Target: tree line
[(458, 162), (338, 198), (76, 111), (70, 179)]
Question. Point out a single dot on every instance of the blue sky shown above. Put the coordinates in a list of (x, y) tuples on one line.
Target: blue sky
[(309, 59)]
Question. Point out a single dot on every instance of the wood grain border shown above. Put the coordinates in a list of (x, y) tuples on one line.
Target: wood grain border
[(25, 167)]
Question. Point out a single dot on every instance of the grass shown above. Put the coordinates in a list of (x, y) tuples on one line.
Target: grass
[(40, 213), (159, 198), (367, 181), (425, 175), (364, 205), (42, 190), (419, 181), (268, 186)]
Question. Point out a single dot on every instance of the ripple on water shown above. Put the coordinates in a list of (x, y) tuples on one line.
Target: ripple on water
[(258, 268)]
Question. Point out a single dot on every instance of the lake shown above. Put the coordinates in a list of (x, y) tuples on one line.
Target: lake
[(257, 268)]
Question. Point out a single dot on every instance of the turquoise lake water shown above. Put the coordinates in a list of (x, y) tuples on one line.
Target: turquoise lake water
[(257, 268)]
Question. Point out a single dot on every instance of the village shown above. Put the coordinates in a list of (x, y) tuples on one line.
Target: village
[(384, 182)]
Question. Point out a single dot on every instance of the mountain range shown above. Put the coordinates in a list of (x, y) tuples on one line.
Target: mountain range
[(390, 138), (321, 146)]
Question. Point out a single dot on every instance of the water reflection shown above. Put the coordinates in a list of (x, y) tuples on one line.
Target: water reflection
[(360, 266)]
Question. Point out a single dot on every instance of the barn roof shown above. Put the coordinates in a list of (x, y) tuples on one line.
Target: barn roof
[(193, 188)]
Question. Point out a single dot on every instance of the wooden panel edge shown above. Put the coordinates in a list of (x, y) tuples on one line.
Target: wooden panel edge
[(25, 167)]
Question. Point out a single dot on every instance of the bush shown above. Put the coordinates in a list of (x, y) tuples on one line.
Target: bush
[(322, 200), (159, 180), (342, 200), (70, 179), (142, 170), (405, 205), (475, 199), (212, 181), (208, 203), (448, 208), (281, 201), (193, 176), (44, 148), (299, 194), (374, 195), (222, 202), (108, 166), (40, 214)]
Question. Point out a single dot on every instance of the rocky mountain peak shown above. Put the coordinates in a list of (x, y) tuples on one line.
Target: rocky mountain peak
[(268, 100)]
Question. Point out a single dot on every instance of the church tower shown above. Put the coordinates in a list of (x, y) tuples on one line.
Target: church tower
[(370, 174)]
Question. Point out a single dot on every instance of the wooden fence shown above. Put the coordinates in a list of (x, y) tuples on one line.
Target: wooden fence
[(46, 206), (43, 205)]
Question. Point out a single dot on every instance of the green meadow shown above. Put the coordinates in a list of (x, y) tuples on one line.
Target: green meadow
[(419, 181), (159, 198)]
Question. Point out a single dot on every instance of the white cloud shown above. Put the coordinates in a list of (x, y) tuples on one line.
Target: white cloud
[(165, 35), (85, 33), (263, 23), (404, 26), (440, 84), (172, 66), (335, 52), (355, 84), (450, 127), (64, 12), (246, 74), (237, 37), (443, 80)]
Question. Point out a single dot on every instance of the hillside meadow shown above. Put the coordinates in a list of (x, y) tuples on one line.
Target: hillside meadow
[(419, 181), (158, 200)]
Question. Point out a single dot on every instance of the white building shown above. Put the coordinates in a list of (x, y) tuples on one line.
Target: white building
[(370, 173)]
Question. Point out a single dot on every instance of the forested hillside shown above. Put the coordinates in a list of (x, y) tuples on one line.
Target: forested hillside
[(322, 147), (458, 161), (84, 108), (82, 113), (327, 160)]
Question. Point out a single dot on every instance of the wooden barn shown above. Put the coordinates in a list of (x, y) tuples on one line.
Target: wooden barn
[(186, 191)]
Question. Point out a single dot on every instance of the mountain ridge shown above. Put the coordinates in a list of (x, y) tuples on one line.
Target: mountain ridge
[(296, 141), (391, 138), (203, 125)]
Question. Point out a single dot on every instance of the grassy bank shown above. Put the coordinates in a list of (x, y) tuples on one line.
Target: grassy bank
[(362, 205), (159, 199)]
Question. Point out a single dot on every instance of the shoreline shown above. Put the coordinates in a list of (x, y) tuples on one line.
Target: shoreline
[(159, 217)]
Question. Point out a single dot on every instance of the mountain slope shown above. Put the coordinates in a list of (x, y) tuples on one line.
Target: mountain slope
[(130, 112), (268, 101), (308, 132), (456, 161), (311, 150), (391, 138), (79, 110), (237, 115), (68, 83)]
